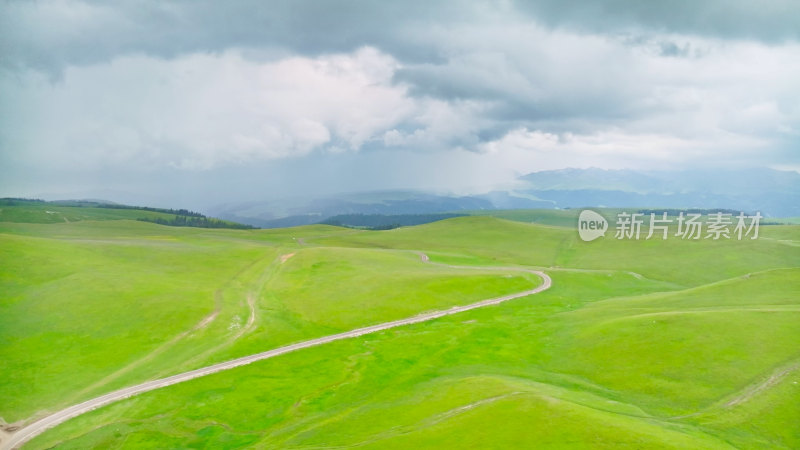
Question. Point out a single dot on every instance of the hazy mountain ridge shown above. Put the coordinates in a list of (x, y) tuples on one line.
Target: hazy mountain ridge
[(292, 212), (724, 181), (772, 192)]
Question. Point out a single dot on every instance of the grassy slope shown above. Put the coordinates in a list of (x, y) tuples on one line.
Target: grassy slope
[(406, 388), (552, 217), (24, 211), (569, 217), (85, 304), (483, 240), (115, 303), (601, 359), (321, 291), (34, 212)]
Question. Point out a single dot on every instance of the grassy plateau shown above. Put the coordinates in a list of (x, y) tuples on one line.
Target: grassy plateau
[(637, 344)]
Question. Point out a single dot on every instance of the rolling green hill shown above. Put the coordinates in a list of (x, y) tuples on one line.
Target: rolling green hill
[(31, 211), (639, 344), (39, 211), (118, 302)]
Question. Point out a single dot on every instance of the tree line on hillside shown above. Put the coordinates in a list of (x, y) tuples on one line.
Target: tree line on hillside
[(195, 221), (177, 212), (15, 201)]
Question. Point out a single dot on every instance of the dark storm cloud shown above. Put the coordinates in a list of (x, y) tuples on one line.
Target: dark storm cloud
[(51, 35), (768, 21), (669, 48)]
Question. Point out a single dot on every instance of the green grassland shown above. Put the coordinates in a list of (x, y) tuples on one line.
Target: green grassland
[(41, 212), (119, 302), (569, 217), (638, 344), (37, 211), (553, 217)]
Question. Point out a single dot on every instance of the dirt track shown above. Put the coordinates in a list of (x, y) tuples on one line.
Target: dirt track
[(25, 434)]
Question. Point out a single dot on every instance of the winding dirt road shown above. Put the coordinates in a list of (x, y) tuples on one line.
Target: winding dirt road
[(29, 432)]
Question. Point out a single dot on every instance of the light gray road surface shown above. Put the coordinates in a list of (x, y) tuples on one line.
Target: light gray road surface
[(29, 432)]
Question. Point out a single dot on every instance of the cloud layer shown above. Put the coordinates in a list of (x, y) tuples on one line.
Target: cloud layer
[(476, 87)]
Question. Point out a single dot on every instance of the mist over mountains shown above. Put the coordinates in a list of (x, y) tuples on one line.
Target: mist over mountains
[(775, 193), (772, 192)]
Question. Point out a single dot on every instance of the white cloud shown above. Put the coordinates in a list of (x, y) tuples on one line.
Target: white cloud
[(583, 100), (531, 150), (147, 88), (203, 110)]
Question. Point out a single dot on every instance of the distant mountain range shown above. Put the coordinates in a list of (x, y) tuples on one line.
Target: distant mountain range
[(726, 182), (772, 192), (305, 211)]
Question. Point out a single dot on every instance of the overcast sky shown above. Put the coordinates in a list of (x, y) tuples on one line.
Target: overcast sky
[(191, 103)]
